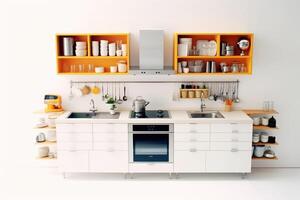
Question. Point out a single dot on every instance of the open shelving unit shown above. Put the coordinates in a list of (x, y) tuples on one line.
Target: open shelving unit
[(64, 63), (257, 112), (229, 38)]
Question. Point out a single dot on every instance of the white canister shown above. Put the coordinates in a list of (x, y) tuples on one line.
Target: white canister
[(183, 49), (119, 52), (113, 69), (42, 151), (259, 151), (99, 69), (256, 121), (264, 138), (255, 139), (112, 49), (51, 135), (95, 48), (51, 121), (265, 121), (124, 49)]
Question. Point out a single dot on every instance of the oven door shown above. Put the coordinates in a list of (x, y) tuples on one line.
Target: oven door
[(151, 147)]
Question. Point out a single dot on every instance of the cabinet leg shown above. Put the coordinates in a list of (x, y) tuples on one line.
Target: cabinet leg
[(244, 175)]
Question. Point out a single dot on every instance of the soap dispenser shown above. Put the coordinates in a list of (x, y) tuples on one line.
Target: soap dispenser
[(272, 122)]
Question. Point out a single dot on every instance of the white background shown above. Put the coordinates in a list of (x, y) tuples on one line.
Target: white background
[(29, 71)]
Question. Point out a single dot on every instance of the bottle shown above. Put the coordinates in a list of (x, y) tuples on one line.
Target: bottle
[(272, 122)]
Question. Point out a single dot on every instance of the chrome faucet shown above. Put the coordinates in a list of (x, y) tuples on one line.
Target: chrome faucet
[(202, 101), (93, 109)]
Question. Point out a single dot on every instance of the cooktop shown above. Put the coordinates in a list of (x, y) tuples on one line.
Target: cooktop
[(151, 114)]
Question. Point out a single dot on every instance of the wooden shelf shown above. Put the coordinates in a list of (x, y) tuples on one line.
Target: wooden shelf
[(45, 143), (263, 158), (92, 73), (213, 74), (46, 158), (92, 57), (262, 143), (260, 112), (45, 128), (211, 57), (260, 127)]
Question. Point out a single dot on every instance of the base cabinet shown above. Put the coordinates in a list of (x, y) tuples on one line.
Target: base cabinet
[(227, 161), (73, 161), (189, 162), (109, 161)]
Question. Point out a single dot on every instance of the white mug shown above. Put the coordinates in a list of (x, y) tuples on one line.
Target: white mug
[(256, 121), (113, 69), (265, 121), (119, 52)]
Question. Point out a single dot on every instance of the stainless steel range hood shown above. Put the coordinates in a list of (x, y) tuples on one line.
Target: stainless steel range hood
[(151, 54)]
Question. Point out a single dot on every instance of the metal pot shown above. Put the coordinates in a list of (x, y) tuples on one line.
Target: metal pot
[(139, 105), (41, 137)]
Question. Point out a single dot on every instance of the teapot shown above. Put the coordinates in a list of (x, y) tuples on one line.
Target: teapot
[(139, 105)]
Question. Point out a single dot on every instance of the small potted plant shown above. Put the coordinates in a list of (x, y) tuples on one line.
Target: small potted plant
[(110, 101)]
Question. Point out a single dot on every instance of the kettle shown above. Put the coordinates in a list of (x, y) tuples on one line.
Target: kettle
[(139, 105), (41, 137)]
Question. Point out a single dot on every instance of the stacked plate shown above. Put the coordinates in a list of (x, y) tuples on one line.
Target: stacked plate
[(206, 48), (112, 49), (103, 47), (80, 49)]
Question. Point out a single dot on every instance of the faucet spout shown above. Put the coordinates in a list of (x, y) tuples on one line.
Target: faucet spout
[(93, 109), (202, 101)]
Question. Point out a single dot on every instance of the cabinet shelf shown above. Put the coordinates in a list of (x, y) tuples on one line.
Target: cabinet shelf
[(260, 112), (264, 158), (45, 143), (262, 143), (261, 127), (92, 57), (46, 158)]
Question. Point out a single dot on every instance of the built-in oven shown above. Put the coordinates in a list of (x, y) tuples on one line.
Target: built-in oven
[(151, 142)]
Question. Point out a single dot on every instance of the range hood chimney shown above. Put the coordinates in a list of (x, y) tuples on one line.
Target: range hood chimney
[(151, 54)]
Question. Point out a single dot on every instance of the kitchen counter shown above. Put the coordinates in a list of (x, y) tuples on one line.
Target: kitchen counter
[(176, 117)]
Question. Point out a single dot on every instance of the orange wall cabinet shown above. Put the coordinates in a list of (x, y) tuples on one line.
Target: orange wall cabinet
[(200, 40), (86, 63)]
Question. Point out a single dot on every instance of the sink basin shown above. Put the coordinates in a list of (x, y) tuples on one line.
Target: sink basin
[(97, 115), (212, 114)]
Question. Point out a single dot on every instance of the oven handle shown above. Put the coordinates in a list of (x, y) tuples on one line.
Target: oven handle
[(151, 132)]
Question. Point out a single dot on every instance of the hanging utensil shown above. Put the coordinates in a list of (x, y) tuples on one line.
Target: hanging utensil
[(211, 96), (236, 99), (71, 92), (115, 87), (102, 90), (124, 97), (119, 99)]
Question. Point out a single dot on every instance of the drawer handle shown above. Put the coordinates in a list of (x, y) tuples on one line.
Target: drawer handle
[(234, 150), (193, 131), (110, 150), (235, 131), (233, 123), (193, 140), (193, 150), (234, 140)]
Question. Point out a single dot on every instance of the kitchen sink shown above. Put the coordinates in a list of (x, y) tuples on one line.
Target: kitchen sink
[(207, 114), (97, 115)]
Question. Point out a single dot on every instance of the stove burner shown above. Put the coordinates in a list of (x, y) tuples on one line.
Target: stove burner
[(151, 114), (160, 111)]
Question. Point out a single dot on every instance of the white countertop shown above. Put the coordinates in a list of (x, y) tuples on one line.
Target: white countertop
[(177, 116)]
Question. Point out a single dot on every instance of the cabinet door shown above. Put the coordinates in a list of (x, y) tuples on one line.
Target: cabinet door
[(74, 128), (227, 161), (191, 128), (75, 137), (109, 161), (191, 137), (231, 128), (110, 137), (110, 128), (73, 161), (231, 137), (189, 161)]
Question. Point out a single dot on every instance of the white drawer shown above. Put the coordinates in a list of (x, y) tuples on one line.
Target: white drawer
[(226, 161), (231, 137), (110, 128), (75, 137), (192, 162), (191, 137), (110, 146), (72, 146), (230, 146), (74, 128), (109, 161), (231, 128), (110, 137), (151, 167), (191, 146), (73, 161), (191, 128)]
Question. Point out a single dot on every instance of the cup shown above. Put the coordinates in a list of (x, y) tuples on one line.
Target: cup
[(119, 52), (124, 49), (113, 69), (99, 69), (184, 63), (122, 66), (186, 70), (43, 151), (255, 138)]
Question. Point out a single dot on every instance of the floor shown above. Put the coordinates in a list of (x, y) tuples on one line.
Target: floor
[(45, 183)]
